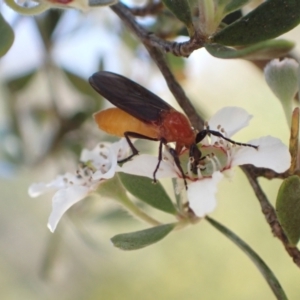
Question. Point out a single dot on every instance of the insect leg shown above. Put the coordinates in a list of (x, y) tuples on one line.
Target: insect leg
[(127, 136), (177, 163), (161, 142), (195, 157)]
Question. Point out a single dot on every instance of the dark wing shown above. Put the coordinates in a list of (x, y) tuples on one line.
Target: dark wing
[(129, 96)]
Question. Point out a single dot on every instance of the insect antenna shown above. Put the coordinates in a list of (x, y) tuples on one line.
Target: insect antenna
[(203, 133)]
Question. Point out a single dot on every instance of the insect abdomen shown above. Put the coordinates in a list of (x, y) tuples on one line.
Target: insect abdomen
[(116, 121)]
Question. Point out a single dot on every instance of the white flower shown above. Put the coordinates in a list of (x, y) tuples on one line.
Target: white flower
[(96, 165), (221, 157)]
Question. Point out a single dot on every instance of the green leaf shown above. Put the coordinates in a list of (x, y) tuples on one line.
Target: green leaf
[(152, 194), (269, 20), (7, 36), (288, 208), (83, 87), (47, 23), (140, 239), (113, 216), (81, 84), (39, 8), (263, 50), (51, 254), (232, 17), (260, 264), (299, 83), (220, 3), (235, 5), (181, 9), (225, 7), (166, 25), (114, 189), (17, 84), (176, 63)]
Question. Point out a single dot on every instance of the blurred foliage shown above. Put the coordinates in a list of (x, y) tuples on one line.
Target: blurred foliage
[(7, 36), (63, 126), (46, 25)]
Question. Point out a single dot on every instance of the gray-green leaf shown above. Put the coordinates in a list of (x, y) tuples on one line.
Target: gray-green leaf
[(7, 36), (263, 50), (235, 5), (181, 9), (260, 264), (18, 83), (47, 23), (140, 239), (152, 194), (82, 86), (288, 208), (269, 20)]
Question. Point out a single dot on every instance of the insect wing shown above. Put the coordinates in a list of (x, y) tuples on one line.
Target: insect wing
[(129, 96)]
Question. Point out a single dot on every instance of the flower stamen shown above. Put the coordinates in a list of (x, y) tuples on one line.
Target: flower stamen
[(199, 174), (217, 162)]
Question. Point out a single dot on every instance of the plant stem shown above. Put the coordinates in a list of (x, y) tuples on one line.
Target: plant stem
[(271, 217)]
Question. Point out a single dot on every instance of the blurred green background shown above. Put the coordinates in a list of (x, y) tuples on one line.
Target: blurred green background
[(78, 261)]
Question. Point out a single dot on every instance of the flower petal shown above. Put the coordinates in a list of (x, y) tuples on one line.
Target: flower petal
[(37, 189), (144, 165), (96, 155), (63, 200), (122, 148), (106, 168), (231, 118), (271, 154), (61, 181), (201, 194), (98, 175), (96, 164), (107, 171)]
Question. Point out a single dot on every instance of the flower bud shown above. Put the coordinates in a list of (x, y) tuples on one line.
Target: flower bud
[(282, 78)]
